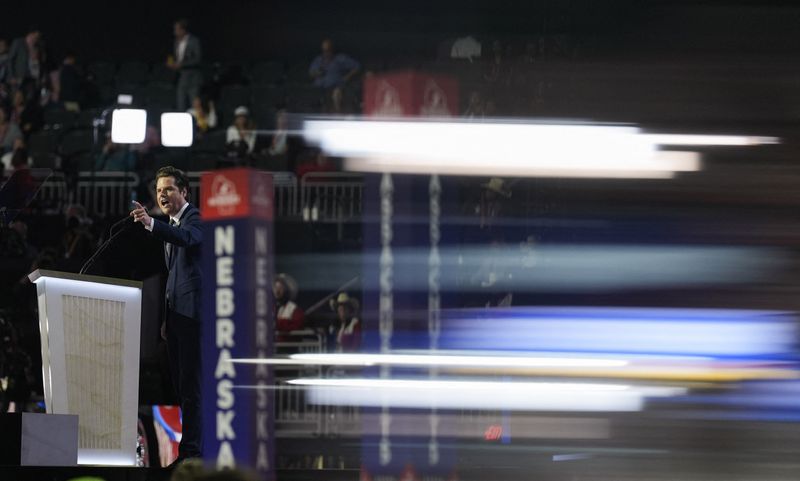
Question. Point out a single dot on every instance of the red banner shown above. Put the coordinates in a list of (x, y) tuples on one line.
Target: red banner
[(410, 94)]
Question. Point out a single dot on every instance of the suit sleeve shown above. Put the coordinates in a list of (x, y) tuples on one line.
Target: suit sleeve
[(187, 234)]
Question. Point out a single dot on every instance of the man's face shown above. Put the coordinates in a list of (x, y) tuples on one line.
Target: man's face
[(179, 31), (3, 46), (170, 198)]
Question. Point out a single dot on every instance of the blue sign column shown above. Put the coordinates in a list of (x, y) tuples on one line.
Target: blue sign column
[(405, 288), (238, 319)]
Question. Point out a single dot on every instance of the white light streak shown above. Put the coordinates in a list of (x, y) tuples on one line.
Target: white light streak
[(710, 140), (510, 149), (449, 394), (423, 360)]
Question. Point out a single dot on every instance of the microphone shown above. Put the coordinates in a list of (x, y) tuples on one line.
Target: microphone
[(125, 223)]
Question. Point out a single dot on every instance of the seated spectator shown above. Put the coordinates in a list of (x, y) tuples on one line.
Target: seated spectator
[(9, 132), (279, 145), (498, 70), (288, 315), (17, 157), (315, 161), (70, 84), (204, 114), (331, 71), (241, 136), (26, 113), (348, 325), (476, 108), (283, 147), (115, 157)]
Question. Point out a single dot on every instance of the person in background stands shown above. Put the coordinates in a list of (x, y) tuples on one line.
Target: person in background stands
[(331, 72), (348, 326), (70, 83), (26, 58), (186, 62), (288, 315)]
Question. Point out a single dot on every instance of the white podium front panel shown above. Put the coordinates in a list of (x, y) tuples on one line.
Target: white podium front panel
[(90, 360)]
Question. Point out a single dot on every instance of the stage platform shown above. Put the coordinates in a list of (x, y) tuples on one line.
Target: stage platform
[(55, 473)]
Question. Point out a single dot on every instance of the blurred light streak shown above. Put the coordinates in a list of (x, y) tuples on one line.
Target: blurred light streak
[(554, 364), (457, 360), (485, 167), (719, 333), (451, 394), (510, 148), (710, 140), (434, 360), (550, 267)]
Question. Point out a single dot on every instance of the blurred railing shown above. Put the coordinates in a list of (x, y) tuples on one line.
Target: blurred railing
[(328, 197), (293, 416), (106, 193), (331, 196), (54, 193)]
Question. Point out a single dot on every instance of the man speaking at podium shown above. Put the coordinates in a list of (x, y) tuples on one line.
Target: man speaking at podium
[(181, 329)]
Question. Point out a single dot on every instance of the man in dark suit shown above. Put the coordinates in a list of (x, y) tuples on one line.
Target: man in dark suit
[(25, 57), (187, 63), (181, 329)]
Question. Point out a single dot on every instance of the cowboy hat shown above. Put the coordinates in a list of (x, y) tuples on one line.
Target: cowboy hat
[(344, 299), (289, 284), (496, 184)]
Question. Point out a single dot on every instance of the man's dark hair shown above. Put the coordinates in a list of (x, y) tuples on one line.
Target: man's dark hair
[(180, 177), (183, 22)]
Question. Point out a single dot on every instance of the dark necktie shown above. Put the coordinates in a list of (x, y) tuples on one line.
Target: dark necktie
[(169, 246)]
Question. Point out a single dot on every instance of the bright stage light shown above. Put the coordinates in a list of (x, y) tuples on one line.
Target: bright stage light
[(128, 126), (176, 129)]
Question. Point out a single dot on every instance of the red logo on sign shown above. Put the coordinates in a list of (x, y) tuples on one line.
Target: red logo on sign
[(493, 433), (224, 196)]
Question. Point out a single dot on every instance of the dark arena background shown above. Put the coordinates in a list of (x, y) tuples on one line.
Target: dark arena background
[(446, 240)]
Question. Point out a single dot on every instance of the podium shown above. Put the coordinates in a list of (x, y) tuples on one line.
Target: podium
[(89, 327)]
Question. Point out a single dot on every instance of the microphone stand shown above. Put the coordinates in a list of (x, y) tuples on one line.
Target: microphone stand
[(107, 243)]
